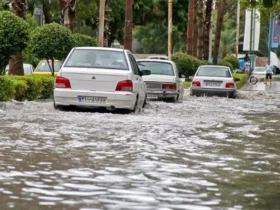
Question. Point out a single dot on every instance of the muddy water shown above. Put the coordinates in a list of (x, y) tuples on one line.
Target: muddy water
[(204, 153)]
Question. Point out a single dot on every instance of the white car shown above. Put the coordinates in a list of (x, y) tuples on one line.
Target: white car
[(213, 80), (259, 71), (27, 68), (161, 57), (164, 82), (100, 77)]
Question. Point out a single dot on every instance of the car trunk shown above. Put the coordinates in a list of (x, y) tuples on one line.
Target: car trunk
[(94, 79), (217, 82), (154, 82)]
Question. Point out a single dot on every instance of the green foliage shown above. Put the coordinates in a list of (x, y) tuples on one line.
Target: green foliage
[(153, 37), (225, 63), (14, 35), (187, 64), (233, 61), (23, 88), (51, 41), (243, 78), (7, 90), (82, 40)]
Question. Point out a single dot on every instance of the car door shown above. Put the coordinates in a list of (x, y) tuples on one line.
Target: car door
[(139, 82)]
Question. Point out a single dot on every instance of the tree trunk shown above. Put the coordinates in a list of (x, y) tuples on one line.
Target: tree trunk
[(220, 17), (207, 26), (128, 25), (67, 10), (200, 18), (190, 27), (47, 11), (19, 8), (107, 30), (195, 32)]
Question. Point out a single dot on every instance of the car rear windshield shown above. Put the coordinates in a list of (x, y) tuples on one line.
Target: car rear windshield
[(45, 67), (213, 72), (93, 58), (259, 69), (160, 68)]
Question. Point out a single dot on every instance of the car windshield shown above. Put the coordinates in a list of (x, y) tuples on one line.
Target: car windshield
[(44, 66), (93, 58), (213, 72), (259, 69), (160, 68)]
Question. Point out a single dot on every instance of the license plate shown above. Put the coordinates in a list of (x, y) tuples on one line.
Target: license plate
[(88, 99), (212, 84), (152, 97)]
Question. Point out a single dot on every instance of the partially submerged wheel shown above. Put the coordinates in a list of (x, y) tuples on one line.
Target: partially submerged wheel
[(57, 107)]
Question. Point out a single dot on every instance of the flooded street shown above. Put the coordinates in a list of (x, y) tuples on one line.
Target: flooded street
[(204, 153)]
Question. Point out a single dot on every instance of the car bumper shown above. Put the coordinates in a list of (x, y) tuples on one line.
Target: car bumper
[(117, 100), (212, 91), (160, 94)]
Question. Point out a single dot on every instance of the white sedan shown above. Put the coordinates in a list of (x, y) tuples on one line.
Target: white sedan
[(100, 77), (213, 80), (164, 82)]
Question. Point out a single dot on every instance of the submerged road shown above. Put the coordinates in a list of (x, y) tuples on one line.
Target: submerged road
[(204, 153)]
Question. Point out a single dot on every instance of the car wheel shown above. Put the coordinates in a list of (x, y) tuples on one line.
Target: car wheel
[(57, 107), (145, 102), (135, 105), (231, 95)]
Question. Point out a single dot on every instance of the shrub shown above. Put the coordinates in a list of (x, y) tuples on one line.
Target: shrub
[(187, 64), (47, 87), (233, 61), (225, 63), (51, 41), (21, 88), (82, 40), (243, 78), (7, 90), (14, 35)]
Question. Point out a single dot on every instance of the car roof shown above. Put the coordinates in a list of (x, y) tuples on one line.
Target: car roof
[(155, 60), (216, 66), (101, 48)]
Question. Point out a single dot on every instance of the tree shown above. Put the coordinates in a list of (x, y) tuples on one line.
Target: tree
[(82, 40), (200, 20), (195, 32), (14, 35), (190, 27), (219, 23), (207, 28), (18, 7), (50, 42), (67, 10)]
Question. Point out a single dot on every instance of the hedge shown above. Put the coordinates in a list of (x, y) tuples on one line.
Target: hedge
[(22, 88), (187, 64), (242, 80), (233, 61), (225, 63)]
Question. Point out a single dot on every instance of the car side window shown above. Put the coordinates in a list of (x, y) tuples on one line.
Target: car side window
[(134, 65)]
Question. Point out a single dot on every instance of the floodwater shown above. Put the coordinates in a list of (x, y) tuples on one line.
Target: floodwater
[(204, 153)]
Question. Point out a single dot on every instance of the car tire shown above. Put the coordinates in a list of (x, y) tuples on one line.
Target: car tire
[(232, 95), (145, 102), (57, 107)]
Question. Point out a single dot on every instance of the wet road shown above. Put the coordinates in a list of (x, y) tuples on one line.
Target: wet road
[(204, 153)]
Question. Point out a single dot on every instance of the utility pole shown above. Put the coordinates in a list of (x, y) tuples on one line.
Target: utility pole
[(169, 29), (128, 25), (237, 29), (252, 36), (101, 22)]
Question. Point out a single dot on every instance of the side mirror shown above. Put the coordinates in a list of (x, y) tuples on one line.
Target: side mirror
[(145, 72), (191, 77)]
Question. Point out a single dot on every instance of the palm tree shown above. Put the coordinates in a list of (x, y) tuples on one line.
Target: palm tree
[(67, 11), (207, 28), (190, 27), (227, 42), (219, 23), (19, 8)]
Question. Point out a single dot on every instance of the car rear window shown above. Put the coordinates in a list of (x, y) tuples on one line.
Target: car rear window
[(259, 69), (160, 68), (93, 58), (213, 72), (43, 66)]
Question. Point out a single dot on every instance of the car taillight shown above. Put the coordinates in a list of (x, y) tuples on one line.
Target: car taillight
[(62, 82), (196, 83), (229, 85), (125, 85), (172, 86)]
